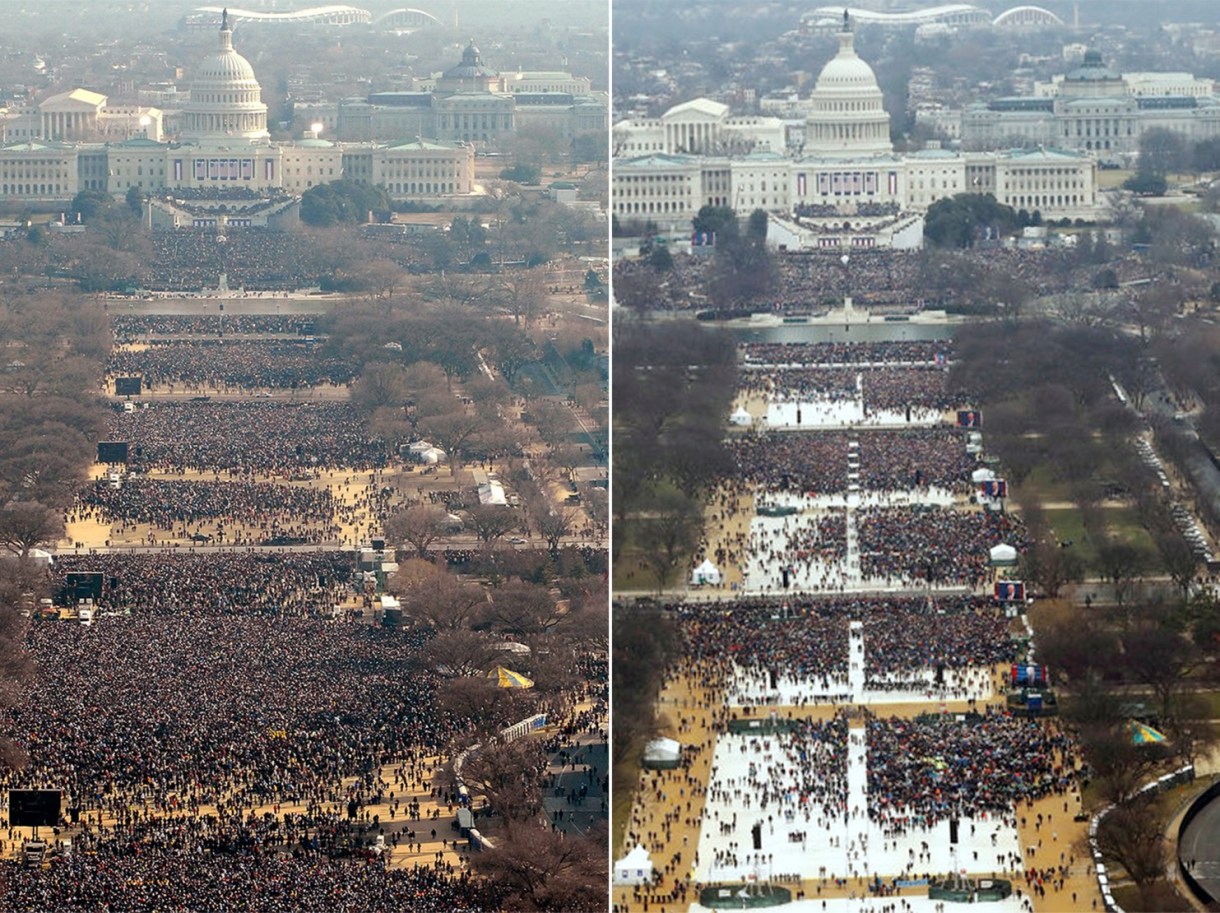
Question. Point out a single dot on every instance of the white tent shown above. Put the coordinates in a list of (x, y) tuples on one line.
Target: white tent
[(982, 475), (1003, 555), (634, 868), (492, 493), (424, 452), (741, 417), (511, 646), (662, 754), (706, 573)]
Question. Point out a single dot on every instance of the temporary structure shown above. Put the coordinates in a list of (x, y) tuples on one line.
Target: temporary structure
[(634, 868), (1143, 734), (507, 678), (1003, 555), (662, 754), (741, 417), (706, 573)]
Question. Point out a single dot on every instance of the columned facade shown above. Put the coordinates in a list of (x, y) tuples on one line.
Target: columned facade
[(226, 99)]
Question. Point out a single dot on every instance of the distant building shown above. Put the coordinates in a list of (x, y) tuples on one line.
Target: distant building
[(1097, 109), (80, 116), (845, 176), (469, 103), (79, 143)]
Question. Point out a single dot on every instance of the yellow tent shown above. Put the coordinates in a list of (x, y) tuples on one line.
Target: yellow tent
[(1143, 734), (507, 678)]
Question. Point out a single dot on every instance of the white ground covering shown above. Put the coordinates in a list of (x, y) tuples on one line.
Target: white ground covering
[(882, 905), (837, 845), (839, 413), (817, 574)]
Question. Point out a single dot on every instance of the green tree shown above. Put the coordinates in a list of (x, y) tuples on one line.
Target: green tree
[(342, 201), (958, 220), (1146, 184), (1162, 151), (720, 221), (522, 173), (756, 225), (591, 148)]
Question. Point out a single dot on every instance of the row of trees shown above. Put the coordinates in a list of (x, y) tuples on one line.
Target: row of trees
[(1053, 418), (50, 420), (555, 609), (673, 385)]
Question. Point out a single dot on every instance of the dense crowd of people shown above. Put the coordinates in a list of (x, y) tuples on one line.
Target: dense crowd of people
[(248, 583), (252, 258), (118, 875), (766, 639), (907, 544), (925, 770), (247, 436), (131, 327), (245, 364), (244, 512), (890, 280), (806, 638), (189, 711), (817, 463), (897, 643), (886, 352)]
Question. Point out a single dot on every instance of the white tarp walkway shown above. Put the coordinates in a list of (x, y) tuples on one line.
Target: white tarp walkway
[(834, 846)]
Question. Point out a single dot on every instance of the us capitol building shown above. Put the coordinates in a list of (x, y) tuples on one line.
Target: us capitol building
[(223, 145), (840, 184)]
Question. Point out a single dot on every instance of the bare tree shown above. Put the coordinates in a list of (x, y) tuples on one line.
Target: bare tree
[(525, 609), (480, 705), (420, 525), (492, 521), (438, 598), (508, 776), (26, 524), (1132, 835), (460, 652), (554, 525), (545, 870)]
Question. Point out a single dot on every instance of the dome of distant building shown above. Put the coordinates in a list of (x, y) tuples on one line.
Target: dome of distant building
[(471, 65), (847, 110), (471, 75), (1092, 69), (226, 99)]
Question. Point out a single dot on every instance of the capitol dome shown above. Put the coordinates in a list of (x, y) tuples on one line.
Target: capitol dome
[(226, 99), (847, 111)]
